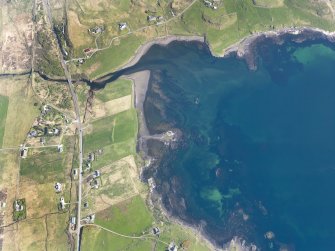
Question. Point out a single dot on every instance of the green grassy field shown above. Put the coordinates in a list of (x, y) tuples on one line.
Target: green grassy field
[(269, 3), (110, 59), (20, 114), (115, 152), (56, 225), (116, 135), (44, 165), (129, 218), (3, 116), (249, 19), (47, 164), (132, 218), (117, 89)]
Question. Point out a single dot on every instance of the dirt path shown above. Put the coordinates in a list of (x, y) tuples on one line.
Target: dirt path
[(142, 237)]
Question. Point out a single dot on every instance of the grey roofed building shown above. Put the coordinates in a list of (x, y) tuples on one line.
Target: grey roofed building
[(122, 26), (60, 148), (73, 220), (96, 29), (24, 152), (58, 187), (172, 247), (91, 156), (151, 18), (96, 174)]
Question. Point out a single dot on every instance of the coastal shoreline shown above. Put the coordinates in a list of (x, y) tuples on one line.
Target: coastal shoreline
[(244, 49), (140, 86), (141, 81), (163, 41)]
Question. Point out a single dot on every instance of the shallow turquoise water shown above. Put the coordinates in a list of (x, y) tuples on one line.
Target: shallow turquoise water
[(258, 151)]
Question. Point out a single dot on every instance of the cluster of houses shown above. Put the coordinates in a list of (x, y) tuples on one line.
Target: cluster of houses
[(58, 189), (89, 219), (93, 179), (88, 162), (73, 222), (212, 4), (91, 157), (48, 124), (96, 30), (157, 19)]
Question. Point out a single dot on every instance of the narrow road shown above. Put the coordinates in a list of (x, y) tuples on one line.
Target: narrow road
[(47, 11), (28, 147)]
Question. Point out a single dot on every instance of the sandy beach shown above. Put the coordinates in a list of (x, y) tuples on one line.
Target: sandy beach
[(140, 87)]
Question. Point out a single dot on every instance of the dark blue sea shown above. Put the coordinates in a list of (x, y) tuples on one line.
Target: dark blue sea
[(257, 152)]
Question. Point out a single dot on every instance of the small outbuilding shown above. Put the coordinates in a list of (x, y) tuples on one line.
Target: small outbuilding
[(18, 207), (96, 174), (73, 220), (42, 140), (91, 157), (156, 231), (24, 152), (62, 203), (58, 187), (96, 30), (151, 18), (95, 184), (60, 148), (172, 247), (90, 218), (123, 26), (75, 173)]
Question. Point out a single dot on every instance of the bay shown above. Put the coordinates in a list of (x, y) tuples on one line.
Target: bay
[(257, 153)]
